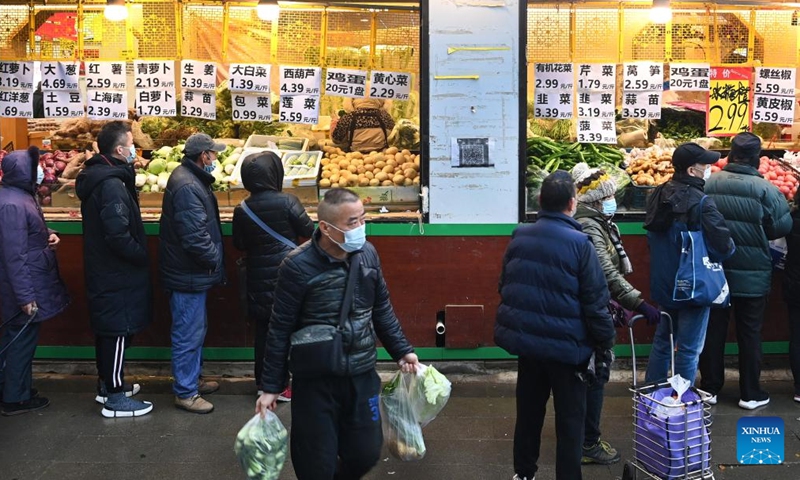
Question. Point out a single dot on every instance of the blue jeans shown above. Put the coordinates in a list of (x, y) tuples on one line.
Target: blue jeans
[(689, 328), (189, 326)]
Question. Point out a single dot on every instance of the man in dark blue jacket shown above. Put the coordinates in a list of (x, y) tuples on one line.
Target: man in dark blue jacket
[(191, 261), (553, 314)]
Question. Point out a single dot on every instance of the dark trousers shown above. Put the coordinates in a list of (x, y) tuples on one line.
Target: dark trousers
[(535, 380), (262, 326), (794, 345), (110, 357), (594, 409), (748, 313), (336, 426), (16, 375)]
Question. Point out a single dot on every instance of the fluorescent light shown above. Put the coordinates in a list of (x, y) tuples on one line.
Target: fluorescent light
[(661, 11), (268, 10), (116, 11)]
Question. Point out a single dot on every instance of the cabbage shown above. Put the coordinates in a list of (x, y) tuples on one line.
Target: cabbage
[(261, 447)]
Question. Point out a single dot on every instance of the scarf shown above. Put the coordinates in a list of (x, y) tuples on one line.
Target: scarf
[(614, 235)]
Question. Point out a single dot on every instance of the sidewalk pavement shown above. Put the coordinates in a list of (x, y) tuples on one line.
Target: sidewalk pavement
[(471, 439)]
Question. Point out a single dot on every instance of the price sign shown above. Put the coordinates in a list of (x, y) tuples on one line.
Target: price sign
[(16, 75), (58, 104), (154, 74), (345, 83), (106, 75), (596, 130), (775, 81), (300, 80), (246, 77), (199, 104), (773, 109), (197, 75), (16, 104), (390, 85), (596, 104), (728, 102), (255, 108), (299, 109), (553, 76), (549, 104), (641, 105), (597, 76), (107, 105), (643, 76), (689, 77), (156, 103), (59, 76)]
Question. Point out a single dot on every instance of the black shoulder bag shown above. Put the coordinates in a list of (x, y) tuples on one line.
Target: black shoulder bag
[(317, 350)]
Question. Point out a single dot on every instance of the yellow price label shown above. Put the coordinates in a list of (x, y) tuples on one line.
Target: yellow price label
[(729, 99)]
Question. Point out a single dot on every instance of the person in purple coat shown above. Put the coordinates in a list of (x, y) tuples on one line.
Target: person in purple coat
[(31, 289)]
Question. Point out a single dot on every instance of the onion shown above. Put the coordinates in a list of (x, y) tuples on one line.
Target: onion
[(60, 165), (46, 201), (43, 190)]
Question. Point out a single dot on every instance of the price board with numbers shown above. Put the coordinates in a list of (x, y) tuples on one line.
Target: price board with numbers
[(199, 104), (107, 105), (553, 104), (641, 105), (774, 81), (16, 75), (596, 130), (300, 80), (157, 102), (60, 75), (597, 76), (247, 77), (151, 74), (299, 109), (728, 102), (341, 82), (596, 104), (689, 77), (59, 104), (773, 109), (251, 107), (106, 75), (198, 75), (642, 76), (390, 85), (16, 104), (553, 76)]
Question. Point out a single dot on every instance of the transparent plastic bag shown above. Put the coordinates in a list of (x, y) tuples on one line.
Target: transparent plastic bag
[(261, 447), (430, 391)]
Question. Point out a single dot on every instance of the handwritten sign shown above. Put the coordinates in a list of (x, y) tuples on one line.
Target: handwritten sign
[(250, 107), (16, 104), (106, 75), (594, 130), (156, 103), (107, 105), (775, 81), (596, 104), (299, 109), (553, 104), (390, 85), (643, 76), (300, 80), (199, 104), (340, 82), (597, 76), (154, 74), (773, 109), (247, 77), (641, 105), (689, 77), (60, 76), (198, 75), (553, 76), (16, 75), (728, 102), (58, 104)]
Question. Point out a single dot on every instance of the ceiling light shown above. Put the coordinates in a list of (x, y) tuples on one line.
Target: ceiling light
[(661, 11), (116, 11), (268, 10)]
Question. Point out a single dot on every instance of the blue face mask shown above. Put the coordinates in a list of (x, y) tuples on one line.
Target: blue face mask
[(132, 157), (609, 206), (39, 174), (353, 239), (210, 168)]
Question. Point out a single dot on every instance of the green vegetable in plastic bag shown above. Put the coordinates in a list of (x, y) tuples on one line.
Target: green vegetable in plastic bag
[(261, 447)]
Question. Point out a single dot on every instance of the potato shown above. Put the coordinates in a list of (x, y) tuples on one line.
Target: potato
[(348, 155), (352, 168), (358, 155), (391, 150), (374, 182), (334, 178), (327, 174), (363, 182), (324, 183), (388, 169), (361, 170), (407, 165), (376, 171), (400, 157), (398, 179), (410, 173), (405, 152), (334, 185), (408, 182), (382, 176), (387, 183), (325, 161), (369, 174), (373, 152), (380, 164), (344, 164), (357, 162), (391, 163), (369, 161), (416, 181), (416, 160)]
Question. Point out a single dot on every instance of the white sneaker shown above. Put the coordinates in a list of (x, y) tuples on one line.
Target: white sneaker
[(797, 398), (712, 400), (130, 390), (752, 404), (517, 477)]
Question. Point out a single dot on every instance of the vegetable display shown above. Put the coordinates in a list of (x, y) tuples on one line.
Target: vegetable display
[(651, 166), (392, 167), (163, 161), (261, 447), (773, 171), (550, 155)]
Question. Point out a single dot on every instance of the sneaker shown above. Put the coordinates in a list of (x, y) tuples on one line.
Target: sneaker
[(195, 404), (130, 390), (31, 405), (753, 404), (286, 395), (119, 405), (712, 400), (206, 387), (797, 398), (517, 477), (601, 453)]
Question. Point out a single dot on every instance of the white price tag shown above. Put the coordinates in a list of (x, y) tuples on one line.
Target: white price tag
[(390, 85), (107, 105), (156, 103), (597, 130), (198, 75), (60, 75), (299, 109), (300, 80), (246, 77), (106, 75), (58, 104), (597, 76), (16, 104), (689, 77), (773, 109), (150, 74), (553, 76), (199, 104), (251, 107), (643, 76), (16, 75), (553, 104), (340, 82), (641, 105), (596, 104), (775, 81)]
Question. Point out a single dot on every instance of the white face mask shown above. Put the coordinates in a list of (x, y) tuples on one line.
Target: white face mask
[(706, 171), (353, 239), (39, 174)]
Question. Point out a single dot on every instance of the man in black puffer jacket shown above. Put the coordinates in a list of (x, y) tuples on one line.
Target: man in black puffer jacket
[(262, 176), (191, 260), (335, 418)]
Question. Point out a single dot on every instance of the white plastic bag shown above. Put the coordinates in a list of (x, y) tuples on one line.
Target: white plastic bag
[(672, 405), (261, 447)]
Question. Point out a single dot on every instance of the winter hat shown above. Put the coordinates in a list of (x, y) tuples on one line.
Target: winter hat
[(746, 148), (592, 184)]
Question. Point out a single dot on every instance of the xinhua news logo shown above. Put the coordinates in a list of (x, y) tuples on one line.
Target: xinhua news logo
[(759, 440)]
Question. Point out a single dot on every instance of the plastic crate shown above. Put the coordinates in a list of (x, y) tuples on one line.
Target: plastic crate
[(637, 196), (270, 141)]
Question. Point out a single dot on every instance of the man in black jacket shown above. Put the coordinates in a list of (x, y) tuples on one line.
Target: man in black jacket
[(191, 262), (335, 418), (115, 264)]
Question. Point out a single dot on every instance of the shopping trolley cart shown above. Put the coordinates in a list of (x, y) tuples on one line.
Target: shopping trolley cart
[(671, 436)]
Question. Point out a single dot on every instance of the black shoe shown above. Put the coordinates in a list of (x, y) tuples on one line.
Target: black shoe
[(35, 403)]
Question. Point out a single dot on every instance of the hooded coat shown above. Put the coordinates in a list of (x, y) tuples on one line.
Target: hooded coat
[(117, 276), (28, 267), (262, 176)]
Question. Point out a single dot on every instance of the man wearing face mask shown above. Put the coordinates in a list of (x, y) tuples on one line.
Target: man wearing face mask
[(116, 272), (679, 200), (336, 425), (191, 262)]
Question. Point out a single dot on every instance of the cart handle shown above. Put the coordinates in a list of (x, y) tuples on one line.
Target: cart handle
[(636, 318)]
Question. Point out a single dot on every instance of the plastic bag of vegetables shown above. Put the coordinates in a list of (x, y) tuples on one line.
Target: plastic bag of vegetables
[(261, 447)]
